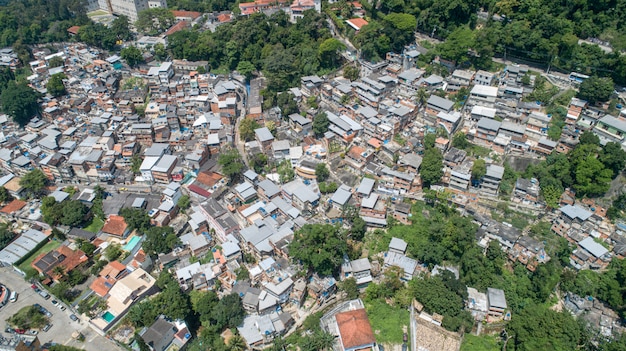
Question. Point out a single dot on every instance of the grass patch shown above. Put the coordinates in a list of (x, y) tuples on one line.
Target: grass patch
[(95, 225), (477, 150), (51, 245), (388, 320), (97, 13), (472, 342)]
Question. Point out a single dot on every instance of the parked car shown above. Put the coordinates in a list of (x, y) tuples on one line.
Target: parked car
[(46, 327), (33, 332), (73, 317), (44, 294), (9, 330), (20, 331), (55, 302), (61, 307)]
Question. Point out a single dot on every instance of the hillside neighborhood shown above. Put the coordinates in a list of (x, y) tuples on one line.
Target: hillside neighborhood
[(413, 200)]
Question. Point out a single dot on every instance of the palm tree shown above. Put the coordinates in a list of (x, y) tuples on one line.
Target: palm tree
[(58, 271), (236, 343), (421, 96)]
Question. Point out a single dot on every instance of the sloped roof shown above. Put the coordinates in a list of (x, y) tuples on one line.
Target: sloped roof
[(355, 329)]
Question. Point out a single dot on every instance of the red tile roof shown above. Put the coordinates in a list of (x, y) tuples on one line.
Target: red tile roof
[(73, 30), (198, 190), (355, 329), (115, 225), (13, 206), (191, 14), (107, 278), (357, 23), (177, 28)]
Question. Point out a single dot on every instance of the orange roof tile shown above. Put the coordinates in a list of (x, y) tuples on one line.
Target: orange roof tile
[(191, 14), (357, 23), (356, 151), (375, 142), (224, 18), (101, 286), (73, 30), (115, 225), (208, 178), (177, 28), (355, 329), (13, 206)]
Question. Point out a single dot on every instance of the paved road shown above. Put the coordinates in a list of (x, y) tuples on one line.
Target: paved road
[(62, 325)]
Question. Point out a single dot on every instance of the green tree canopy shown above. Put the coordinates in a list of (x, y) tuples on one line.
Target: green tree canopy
[(319, 247), (20, 102), (321, 172), (154, 21), (431, 169), (55, 85), (320, 124), (135, 218), (479, 169), (595, 89), (232, 164), (132, 55), (246, 129), (160, 240), (34, 183)]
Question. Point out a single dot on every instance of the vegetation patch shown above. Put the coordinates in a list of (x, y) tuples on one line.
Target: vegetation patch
[(27, 318), (472, 342), (387, 321), (95, 225)]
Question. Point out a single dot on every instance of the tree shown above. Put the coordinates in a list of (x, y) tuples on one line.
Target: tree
[(74, 213), (459, 141), (327, 188), (20, 102), (421, 96), (246, 129), (159, 51), (351, 72), (34, 183), (285, 171), (588, 138), (320, 124), (88, 248), (350, 287), (321, 172), (5, 196), (56, 61), (246, 68), (135, 163), (135, 218), (160, 240), (479, 169), (120, 27), (259, 161), (431, 169), (141, 343), (237, 343), (55, 85), (613, 157), (359, 227), (429, 140), (6, 235), (329, 51), (232, 164), (539, 328), (154, 21), (184, 202), (595, 89), (228, 312), (113, 252), (132, 55), (319, 247)]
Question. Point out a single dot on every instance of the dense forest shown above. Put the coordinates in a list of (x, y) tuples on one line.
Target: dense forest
[(543, 31), (284, 51)]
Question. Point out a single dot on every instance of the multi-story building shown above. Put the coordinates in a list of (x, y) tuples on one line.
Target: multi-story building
[(128, 8)]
